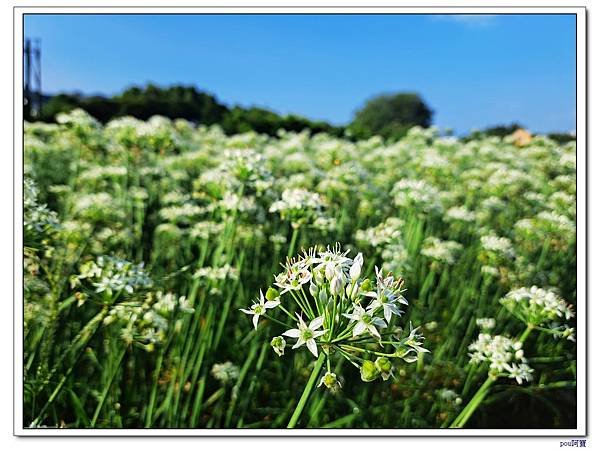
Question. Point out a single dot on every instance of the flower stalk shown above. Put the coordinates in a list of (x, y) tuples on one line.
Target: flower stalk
[(307, 390)]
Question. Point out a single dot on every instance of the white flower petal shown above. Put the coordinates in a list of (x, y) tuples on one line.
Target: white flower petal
[(359, 329), (255, 321), (319, 333), (374, 331), (316, 323), (299, 343), (272, 304), (293, 333), (387, 313), (379, 322), (312, 346), (301, 323)]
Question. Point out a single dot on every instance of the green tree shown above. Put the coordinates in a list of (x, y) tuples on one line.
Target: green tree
[(175, 102), (184, 102), (502, 130), (58, 104), (391, 115)]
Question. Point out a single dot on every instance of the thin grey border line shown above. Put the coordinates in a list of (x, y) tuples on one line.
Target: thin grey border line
[(585, 12), (305, 7)]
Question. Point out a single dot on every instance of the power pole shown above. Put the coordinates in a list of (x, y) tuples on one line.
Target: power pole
[(32, 61)]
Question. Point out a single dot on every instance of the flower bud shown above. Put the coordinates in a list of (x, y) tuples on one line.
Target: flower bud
[(323, 296), (366, 285), (278, 344), (356, 267), (272, 294), (329, 380), (312, 288), (351, 290), (318, 277), (81, 298), (337, 285), (329, 271), (368, 371), (384, 366)]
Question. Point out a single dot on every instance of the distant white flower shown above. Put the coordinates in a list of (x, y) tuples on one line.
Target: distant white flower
[(537, 306), (442, 251), (504, 355), (226, 372), (486, 323), (460, 213), (497, 244), (293, 278)]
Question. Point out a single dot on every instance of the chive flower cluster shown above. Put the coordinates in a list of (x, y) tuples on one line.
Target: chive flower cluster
[(334, 309), (111, 274), (299, 206), (542, 309), (503, 355)]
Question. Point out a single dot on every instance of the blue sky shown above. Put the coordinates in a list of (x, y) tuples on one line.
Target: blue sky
[(473, 71)]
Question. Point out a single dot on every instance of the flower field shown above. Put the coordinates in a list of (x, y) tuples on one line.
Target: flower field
[(177, 277)]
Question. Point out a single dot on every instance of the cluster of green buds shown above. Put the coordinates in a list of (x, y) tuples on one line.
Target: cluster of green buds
[(372, 370), (335, 310)]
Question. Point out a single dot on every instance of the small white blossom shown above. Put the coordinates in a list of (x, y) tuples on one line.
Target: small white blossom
[(260, 308), (365, 321), (306, 334)]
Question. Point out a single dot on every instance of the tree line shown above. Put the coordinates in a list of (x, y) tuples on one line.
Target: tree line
[(387, 115), (187, 102)]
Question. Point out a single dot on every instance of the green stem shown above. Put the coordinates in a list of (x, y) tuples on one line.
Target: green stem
[(468, 410), (526, 333), (292, 246), (363, 350), (307, 390), (107, 387)]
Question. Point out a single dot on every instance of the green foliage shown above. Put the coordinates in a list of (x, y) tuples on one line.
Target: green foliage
[(506, 130), (562, 138), (181, 102), (391, 115), (58, 104), (242, 120), (497, 130), (144, 239)]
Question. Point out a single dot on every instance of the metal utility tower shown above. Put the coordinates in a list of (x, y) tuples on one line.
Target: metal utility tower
[(32, 71)]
